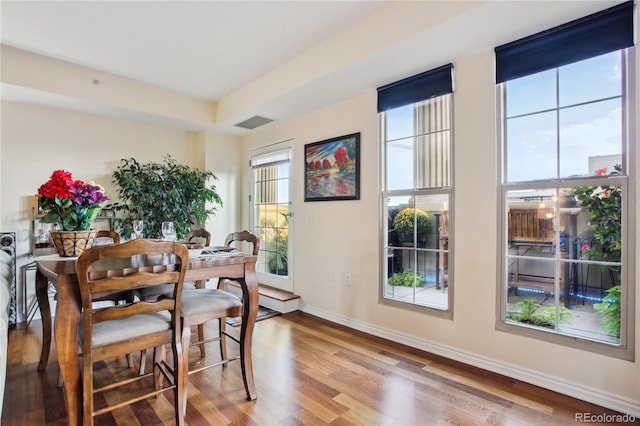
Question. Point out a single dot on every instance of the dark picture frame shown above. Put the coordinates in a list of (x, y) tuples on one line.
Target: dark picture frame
[(332, 169)]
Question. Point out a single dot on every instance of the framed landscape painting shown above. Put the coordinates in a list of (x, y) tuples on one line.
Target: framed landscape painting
[(332, 169)]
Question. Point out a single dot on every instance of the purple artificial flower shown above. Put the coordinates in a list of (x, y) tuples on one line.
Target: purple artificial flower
[(85, 194)]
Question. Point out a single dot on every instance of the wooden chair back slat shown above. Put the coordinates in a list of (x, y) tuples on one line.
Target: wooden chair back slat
[(200, 234), (126, 311), (132, 281), (247, 236), (115, 236)]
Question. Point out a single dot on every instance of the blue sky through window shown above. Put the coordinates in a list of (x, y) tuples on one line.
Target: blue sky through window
[(399, 154), (560, 123), (544, 142)]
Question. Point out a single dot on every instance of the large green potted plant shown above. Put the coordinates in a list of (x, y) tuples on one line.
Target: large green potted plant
[(403, 224), (158, 192)]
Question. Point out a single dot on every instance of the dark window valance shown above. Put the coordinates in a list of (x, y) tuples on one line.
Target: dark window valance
[(593, 35), (417, 88)]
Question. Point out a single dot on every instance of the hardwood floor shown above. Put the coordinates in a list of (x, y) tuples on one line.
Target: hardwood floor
[(308, 372)]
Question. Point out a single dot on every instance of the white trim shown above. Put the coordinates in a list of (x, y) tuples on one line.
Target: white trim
[(279, 156), (575, 390), (272, 154)]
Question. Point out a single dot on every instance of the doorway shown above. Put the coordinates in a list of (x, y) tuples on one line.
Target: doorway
[(272, 215)]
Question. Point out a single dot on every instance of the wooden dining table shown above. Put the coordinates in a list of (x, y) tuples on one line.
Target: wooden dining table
[(61, 273)]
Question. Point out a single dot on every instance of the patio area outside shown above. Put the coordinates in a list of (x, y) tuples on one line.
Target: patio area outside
[(583, 322)]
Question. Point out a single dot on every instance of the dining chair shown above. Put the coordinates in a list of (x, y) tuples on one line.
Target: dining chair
[(152, 294), (199, 235), (110, 331), (234, 238), (115, 236), (110, 237), (206, 304), (217, 295)]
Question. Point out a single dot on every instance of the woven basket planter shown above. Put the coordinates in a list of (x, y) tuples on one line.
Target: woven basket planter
[(73, 243)]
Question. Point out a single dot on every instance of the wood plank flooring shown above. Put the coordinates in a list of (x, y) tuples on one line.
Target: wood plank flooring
[(308, 371)]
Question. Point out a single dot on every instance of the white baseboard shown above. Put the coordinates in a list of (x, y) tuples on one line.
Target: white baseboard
[(594, 396)]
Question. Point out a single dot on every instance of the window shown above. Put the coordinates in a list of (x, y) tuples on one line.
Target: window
[(567, 192), (416, 141)]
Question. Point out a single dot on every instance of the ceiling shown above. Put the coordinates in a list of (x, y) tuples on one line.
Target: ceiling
[(211, 50)]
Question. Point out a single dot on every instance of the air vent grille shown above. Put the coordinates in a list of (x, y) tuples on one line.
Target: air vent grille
[(253, 122)]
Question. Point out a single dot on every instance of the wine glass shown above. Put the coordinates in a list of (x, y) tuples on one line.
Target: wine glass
[(138, 226), (168, 231)]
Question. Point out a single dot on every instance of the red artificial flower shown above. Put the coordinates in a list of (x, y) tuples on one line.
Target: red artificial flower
[(59, 185)]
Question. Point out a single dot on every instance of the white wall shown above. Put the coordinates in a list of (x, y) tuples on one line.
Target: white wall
[(36, 140), (343, 236), (223, 156)]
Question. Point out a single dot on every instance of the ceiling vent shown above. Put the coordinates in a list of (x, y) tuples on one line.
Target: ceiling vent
[(253, 122)]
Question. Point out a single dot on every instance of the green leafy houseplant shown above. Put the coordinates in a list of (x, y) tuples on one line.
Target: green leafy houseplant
[(532, 312), (158, 192), (403, 223), (406, 278)]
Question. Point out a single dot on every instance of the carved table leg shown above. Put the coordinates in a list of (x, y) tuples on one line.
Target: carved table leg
[(66, 330), (42, 295), (250, 296)]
